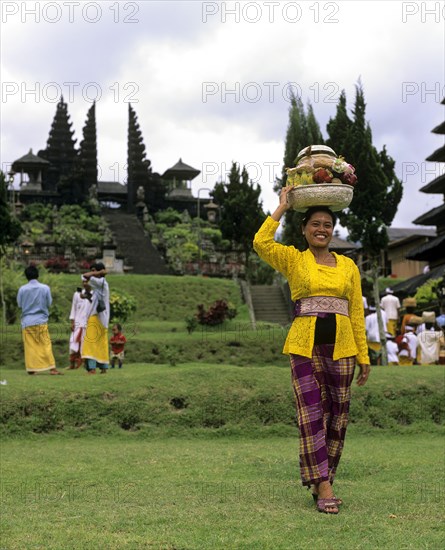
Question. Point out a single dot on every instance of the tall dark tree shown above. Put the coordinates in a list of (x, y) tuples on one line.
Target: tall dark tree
[(302, 130), (60, 149), (138, 166), (378, 190), (339, 127), (241, 209), (314, 135), (10, 227), (10, 230)]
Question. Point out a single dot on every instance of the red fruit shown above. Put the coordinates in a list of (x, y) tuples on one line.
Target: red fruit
[(349, 179), (322, 176)]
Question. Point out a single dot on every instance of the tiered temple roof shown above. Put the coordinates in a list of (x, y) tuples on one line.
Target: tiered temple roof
[(433, 251)]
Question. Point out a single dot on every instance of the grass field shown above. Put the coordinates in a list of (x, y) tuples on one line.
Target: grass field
[(230, 493), (193, 444)]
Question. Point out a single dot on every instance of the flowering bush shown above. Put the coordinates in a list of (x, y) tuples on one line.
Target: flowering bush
[(121, 306), (217, 313), (429, 292), (57, 264)]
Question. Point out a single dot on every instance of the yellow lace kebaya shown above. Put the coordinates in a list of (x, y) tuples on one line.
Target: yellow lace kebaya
[(307, 278)]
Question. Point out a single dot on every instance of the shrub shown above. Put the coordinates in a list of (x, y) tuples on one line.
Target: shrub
[(170, 216), (428, 292), (259, 272), (191, 322), (37, 211), (57, 264), (217, 313), (121, 306)]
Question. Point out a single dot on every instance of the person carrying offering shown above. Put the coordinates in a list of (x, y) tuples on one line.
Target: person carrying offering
[(326, 340), (95, 346)]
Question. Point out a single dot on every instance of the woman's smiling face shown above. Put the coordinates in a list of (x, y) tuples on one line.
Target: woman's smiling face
[(318, 230)]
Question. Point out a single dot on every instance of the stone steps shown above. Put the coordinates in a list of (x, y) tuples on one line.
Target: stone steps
[(269, 304), (134, 244)]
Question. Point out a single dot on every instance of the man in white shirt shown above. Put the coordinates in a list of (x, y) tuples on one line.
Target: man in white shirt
[(80, 311), (372, 331), (412, 340), (391, 305), (408, 347), (392, 350)]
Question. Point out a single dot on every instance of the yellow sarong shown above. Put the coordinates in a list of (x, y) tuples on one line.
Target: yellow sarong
[(38, 349), (405, 360), (95, 344), (391, 326), (376, 346)]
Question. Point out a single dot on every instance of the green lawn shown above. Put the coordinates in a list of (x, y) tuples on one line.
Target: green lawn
[(193, 444), (232, 493)]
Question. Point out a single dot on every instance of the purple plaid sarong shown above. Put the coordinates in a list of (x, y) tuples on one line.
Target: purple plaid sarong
[(322, 389)]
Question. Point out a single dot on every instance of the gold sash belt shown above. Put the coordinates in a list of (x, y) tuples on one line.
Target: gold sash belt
[(316, 305)]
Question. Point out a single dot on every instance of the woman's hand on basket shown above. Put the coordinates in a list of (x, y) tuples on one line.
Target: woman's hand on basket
[(283, 206), (363, 374), (283, 196)]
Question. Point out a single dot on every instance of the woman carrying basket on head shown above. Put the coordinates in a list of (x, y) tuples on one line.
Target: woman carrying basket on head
[(326, 340)]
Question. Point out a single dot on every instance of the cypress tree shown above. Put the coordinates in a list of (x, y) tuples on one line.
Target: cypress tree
[(314, 136), (339, 127), (378, 190), (241, 209), (302, 130)]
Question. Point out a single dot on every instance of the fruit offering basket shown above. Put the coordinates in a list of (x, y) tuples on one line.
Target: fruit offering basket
[(320, 178), (335, 196)]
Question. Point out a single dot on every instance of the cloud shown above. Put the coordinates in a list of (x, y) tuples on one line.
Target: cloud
[(210, 89)]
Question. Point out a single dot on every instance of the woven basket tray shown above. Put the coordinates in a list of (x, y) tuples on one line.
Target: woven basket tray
[(335, 196)]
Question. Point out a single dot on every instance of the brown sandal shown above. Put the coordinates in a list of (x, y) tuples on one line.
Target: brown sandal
[(327, 505), (339, 501)]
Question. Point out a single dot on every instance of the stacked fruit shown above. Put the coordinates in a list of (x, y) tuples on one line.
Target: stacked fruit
[(320, 164)]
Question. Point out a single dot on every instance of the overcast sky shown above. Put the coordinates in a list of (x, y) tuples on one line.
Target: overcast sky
[(210, 81)]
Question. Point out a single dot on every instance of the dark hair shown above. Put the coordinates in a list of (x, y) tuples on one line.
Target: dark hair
[(31, 272), (313, 209), (119, 327), (97, 266)]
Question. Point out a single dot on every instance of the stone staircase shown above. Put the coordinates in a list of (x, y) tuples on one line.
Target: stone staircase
[(133, 244), (269, 304)]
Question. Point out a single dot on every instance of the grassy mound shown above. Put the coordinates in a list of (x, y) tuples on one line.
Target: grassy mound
[(157, 330), (220, 399), (163, 297)]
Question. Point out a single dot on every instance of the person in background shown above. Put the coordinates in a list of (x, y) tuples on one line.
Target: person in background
[(373, 333), (442, 348), (411, 339), (440, 321), (80, 309), (392, 350), (409, 318), (365, 305), (95, 350), (407, 344), (117, 342), (429, 340), (34, 299), (391, 305), (326, 341), (428, 321)]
